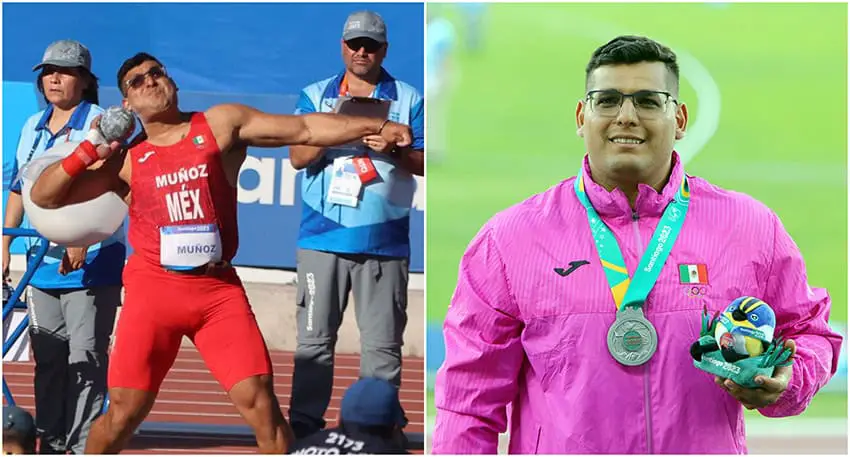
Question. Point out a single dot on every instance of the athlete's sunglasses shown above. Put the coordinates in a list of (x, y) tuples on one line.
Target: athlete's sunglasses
[(136, 81)]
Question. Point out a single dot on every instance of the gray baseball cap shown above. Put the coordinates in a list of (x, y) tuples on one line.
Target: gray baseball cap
[(66, 53), (365, 24)]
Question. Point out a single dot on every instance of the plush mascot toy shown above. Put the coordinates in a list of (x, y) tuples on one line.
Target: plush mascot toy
[(739, 343)]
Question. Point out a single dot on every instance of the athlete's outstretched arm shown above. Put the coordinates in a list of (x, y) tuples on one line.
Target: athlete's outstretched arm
[(239, 124)]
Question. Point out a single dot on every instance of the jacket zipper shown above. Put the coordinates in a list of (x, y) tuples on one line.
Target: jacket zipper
[(646, 407)]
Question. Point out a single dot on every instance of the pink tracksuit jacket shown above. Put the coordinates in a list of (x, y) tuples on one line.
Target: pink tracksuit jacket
[(526, 346)]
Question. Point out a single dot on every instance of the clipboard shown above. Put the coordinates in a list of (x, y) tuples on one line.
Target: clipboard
[(361, 106)]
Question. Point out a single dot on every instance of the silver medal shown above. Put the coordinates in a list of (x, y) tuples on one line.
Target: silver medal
[(632, 340)]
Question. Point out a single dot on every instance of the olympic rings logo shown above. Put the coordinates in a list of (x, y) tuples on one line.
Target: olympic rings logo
[(696, 291)]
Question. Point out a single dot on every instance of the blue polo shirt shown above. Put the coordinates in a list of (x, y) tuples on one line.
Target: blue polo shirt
[(105, 260), (380, 224)]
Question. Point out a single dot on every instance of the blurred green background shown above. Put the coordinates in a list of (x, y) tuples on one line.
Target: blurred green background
[(766, 88)]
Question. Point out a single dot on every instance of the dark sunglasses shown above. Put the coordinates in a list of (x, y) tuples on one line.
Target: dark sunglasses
[(368, 44), (136, 81)]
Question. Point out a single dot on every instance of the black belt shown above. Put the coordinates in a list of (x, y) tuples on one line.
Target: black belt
[(202, 270)]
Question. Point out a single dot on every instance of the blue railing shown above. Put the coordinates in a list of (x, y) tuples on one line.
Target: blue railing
[(14, 302)]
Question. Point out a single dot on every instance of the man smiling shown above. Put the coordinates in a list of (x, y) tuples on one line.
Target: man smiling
[(571, 307)]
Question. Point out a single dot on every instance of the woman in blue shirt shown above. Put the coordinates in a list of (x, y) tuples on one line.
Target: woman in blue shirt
[(74, 292)]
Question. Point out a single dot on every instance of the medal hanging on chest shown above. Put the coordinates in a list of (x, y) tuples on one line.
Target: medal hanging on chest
[(632, 339)]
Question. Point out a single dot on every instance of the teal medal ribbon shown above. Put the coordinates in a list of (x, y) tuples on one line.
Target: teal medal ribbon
[(632, 339)]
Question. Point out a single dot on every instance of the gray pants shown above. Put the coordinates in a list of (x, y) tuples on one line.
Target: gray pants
[(69, 333), (380, 304)]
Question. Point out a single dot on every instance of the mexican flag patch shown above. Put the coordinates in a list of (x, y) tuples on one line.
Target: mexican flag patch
[(693, 274)]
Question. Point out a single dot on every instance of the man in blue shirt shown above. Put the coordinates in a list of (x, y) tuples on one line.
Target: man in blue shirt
[(355, 224)]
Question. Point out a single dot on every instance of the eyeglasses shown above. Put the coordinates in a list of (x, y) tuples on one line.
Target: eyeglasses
[(136, 81), (370, 45), (649, 104)]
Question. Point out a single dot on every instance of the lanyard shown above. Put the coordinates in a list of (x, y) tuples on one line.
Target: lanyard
[(50, 141), (633, 291), (343, 87), (362, 163), (34, 146)]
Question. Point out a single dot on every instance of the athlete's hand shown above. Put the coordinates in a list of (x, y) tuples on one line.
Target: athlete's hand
[(105, 150), (73, 260), (397, 134), (377, 143), (769, 391)]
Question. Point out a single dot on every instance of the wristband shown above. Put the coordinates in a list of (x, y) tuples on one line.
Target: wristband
[(84, 155), (381, 128)]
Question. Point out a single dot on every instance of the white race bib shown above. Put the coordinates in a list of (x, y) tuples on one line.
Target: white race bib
[(345, 184), (183, 247)]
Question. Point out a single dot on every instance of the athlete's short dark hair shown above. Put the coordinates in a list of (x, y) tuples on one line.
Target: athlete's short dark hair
[(630, 49)]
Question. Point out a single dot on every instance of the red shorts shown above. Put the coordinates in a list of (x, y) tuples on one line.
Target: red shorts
[(161, 307)]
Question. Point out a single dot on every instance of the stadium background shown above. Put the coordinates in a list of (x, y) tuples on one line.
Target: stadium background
[(766, 86), (261, 55), (257, 54)]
